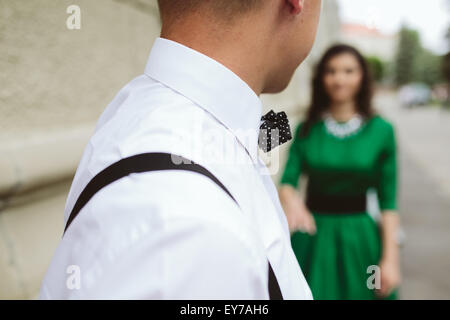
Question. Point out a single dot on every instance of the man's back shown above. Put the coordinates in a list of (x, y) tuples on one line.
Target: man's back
[(172, 234)]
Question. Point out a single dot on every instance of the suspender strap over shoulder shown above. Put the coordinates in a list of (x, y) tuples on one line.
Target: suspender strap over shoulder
[(147, 162)]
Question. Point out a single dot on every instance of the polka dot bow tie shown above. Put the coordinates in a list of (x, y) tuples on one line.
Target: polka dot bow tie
[(274, 131)]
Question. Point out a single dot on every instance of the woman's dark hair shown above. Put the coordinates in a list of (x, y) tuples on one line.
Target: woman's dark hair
[(320, 100)]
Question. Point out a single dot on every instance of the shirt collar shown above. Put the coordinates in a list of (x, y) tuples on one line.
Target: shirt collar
[(211, 85)]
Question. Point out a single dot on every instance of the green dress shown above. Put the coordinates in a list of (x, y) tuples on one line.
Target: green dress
[(336, 259)]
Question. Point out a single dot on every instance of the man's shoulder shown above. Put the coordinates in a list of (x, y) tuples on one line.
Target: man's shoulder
[(144, 105), (145, 116)]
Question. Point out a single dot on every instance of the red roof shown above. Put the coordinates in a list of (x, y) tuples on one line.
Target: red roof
[(359, 29)]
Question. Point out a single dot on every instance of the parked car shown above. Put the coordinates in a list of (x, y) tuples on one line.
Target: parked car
[(414, 94)]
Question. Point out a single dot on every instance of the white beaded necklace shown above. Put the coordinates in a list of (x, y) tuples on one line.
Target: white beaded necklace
[(342, 130)]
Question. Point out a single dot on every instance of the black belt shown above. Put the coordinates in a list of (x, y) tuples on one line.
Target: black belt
[(336, 204)]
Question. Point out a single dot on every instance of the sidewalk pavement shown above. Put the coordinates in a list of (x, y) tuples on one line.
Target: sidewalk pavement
[(424, 162)]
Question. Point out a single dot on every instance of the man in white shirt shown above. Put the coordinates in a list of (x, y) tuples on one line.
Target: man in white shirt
[(177, 234)]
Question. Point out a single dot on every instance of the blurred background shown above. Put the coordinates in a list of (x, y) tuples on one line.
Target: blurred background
[(55, 82)]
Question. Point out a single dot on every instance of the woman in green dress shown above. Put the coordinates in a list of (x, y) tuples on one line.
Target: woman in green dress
[(344, 149)]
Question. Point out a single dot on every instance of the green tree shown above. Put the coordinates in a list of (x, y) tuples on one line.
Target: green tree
[(415, 63), (408, 50), (446, 68), (428, 67), (446, 62), (377, 67)]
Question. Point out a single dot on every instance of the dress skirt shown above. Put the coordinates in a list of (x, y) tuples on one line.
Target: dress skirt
[(336, 260)]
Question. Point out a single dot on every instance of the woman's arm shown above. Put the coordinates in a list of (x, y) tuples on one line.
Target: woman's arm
[(387, 192), (390, 258), (295, 209), (297, 214)]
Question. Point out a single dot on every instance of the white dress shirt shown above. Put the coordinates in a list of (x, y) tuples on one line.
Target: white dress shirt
[(176, 234)]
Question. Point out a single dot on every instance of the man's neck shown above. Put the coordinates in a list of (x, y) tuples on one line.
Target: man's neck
[(236, 50)]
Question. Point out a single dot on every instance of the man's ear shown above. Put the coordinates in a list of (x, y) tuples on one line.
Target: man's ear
[(296, 6)]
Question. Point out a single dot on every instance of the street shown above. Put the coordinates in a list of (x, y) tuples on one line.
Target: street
[(423, 136)]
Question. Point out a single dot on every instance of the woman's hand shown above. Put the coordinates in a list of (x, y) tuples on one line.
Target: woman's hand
[(390, 277), (304, 221), (390, 260), (298, 216)]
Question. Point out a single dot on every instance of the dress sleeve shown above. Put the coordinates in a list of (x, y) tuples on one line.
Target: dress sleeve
[(387, 184), (293, 167)]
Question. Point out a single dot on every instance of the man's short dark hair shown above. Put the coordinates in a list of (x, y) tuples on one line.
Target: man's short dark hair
[(227, 9)]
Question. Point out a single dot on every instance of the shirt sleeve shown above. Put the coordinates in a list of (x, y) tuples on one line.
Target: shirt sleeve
[(293, 168), (387, 183)]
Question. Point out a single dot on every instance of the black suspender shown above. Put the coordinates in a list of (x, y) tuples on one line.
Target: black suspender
[(153, 162)]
